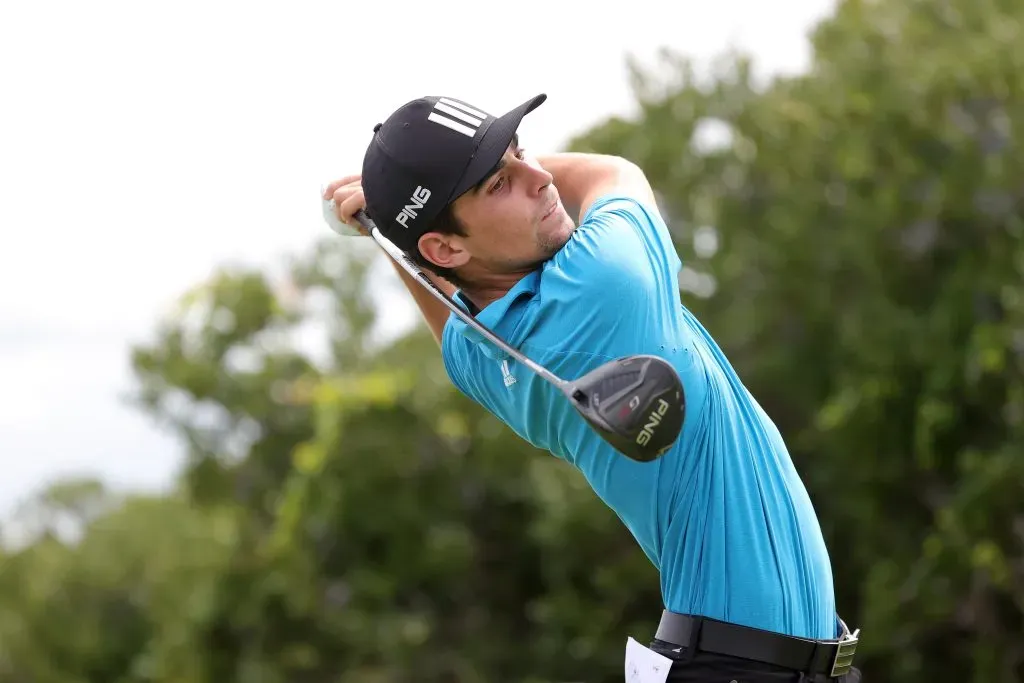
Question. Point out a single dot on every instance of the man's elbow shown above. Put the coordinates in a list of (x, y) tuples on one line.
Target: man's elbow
[(613, 167), (623, 176), (632, 176)]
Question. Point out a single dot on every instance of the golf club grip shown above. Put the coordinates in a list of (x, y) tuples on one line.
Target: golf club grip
[(406, 263)]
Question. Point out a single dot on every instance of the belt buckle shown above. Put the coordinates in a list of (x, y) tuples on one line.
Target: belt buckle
[(843, 661)]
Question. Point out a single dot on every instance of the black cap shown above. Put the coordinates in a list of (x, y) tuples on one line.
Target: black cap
[(428, 153)]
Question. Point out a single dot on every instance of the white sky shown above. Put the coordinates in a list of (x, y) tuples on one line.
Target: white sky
[(142, 144)]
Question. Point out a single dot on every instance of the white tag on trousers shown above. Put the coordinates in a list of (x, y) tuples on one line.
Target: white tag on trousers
[(644, 665)]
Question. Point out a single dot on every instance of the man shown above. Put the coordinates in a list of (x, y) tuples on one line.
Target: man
[(745, 575)]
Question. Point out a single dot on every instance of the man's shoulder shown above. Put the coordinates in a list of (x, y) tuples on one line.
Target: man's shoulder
[(624, 206), (614, 246), (470, 359)]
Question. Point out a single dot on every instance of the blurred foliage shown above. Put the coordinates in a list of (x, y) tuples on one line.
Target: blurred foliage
[(852, 237)]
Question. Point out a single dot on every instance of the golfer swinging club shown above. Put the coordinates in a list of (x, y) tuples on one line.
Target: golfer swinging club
[(745, 575)]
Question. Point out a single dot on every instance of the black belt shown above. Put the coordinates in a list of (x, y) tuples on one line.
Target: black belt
[(701, 634)]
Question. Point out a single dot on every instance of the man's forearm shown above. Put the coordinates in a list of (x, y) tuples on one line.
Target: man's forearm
[(435, 313)]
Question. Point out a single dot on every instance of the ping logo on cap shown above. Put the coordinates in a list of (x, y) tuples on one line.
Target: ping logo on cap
[(416, 202)]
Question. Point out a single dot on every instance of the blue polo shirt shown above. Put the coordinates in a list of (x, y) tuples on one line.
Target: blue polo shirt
[(723, 515)]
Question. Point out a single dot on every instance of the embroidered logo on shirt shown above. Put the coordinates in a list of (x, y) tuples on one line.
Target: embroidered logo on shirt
[(510, 379)]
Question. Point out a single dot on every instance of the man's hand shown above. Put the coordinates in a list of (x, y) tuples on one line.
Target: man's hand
[(347, 194)]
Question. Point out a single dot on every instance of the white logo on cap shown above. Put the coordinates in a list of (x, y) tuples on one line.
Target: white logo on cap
[(417, 201), (471, 119)]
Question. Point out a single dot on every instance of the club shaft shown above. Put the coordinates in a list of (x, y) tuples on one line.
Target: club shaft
[(407, 264)]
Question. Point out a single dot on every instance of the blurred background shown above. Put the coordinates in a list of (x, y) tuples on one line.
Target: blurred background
[(229, 448)]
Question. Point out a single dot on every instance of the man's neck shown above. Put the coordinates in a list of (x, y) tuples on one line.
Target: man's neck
[(487, 290)]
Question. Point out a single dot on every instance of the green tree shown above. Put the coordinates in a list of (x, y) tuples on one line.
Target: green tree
[(854, 241), (112, 597), (867, 283), (401, 532)]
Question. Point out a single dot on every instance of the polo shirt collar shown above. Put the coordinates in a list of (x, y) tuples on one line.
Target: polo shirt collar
[(501, 316)]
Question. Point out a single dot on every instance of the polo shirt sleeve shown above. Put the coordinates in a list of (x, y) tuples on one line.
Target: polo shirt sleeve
[(615, 212), (612, 290), (620, 269), (453, 355)]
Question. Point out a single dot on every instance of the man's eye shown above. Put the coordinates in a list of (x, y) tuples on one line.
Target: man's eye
[(498, 184), (521, 153)]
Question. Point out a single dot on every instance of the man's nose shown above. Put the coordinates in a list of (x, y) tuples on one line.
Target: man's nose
[(538, 179)]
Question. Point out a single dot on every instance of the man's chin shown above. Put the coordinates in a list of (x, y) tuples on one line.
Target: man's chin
[(560, 237), (549, 248)]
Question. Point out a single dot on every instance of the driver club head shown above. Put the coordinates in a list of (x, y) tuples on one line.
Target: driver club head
[(635, 403)]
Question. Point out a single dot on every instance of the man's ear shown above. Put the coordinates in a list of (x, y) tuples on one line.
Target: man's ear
[(446, 251)]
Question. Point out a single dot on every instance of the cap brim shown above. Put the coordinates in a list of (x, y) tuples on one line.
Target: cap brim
[(495, 141)]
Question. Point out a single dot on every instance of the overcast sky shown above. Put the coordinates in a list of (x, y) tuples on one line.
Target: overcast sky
[(143, 144)]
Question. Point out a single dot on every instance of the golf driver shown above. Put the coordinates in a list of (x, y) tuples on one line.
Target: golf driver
[(635, 403)]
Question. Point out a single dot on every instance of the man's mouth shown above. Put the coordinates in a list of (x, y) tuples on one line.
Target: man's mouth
[(550, 211)]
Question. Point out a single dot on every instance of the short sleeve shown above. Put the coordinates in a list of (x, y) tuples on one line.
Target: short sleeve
[(645, 220), (615, 285), (622, 247), (453, 351)]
